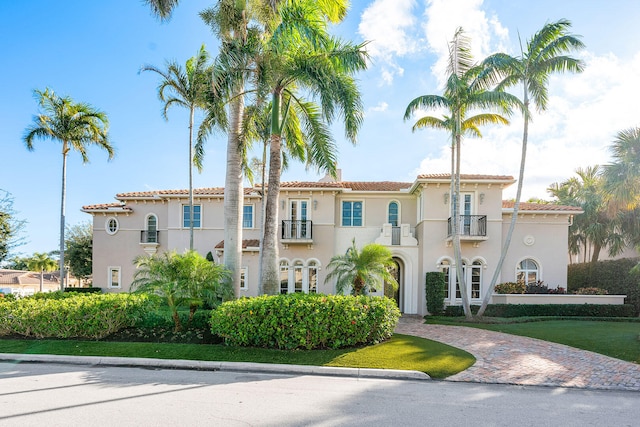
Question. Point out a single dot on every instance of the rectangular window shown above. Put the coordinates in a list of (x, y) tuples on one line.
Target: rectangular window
[(247, 216), (244, 275), (197, 215), (114, 277), (352, 214)]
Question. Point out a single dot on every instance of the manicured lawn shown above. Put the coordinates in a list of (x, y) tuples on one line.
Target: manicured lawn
[(401, 352), (616, 339)]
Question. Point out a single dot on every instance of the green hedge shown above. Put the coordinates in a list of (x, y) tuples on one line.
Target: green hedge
[(90, 290), (70, 315), (525, 310), (610, 275), (305, 321)]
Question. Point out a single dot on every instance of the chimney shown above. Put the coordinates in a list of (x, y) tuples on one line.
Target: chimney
[(329, 178)]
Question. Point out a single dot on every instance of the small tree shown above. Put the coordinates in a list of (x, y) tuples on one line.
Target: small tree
[(10, 226), (182, 280), (40, 262), (79, 249), (362, 270), (434, 292)]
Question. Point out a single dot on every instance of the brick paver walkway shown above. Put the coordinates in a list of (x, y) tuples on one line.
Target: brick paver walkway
[(510, 359)]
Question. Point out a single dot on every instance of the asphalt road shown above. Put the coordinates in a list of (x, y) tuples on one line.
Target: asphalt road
[(34, 394)]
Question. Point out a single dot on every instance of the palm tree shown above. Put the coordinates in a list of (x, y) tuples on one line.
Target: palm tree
[(622, 176), (77, 126), (41, 262), (596, 227), (187, 88), (546, 53), (362, 270), (300, 57), (466, 89)]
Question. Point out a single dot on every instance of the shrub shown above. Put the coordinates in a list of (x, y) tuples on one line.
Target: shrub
[(305, 321), (434, 292), (570, 310), (591, 291), (612, 275), (509, 288), (88, 290), (536, 288), (68, 315)]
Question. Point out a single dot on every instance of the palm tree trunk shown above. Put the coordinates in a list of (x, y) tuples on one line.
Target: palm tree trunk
[(234, 196), (41, 280), (269, 254), (457, 250), (191, 114), (516, 207), (262, 215), (65, 150)]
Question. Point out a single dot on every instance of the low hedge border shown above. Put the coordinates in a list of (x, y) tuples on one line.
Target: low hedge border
[(301, 321), (72, 315), (565, 310)]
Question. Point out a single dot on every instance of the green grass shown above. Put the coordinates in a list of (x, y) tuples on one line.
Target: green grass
[(400, 352), (616, 339)]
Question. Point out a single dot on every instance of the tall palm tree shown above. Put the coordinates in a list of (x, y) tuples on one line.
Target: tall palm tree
[(300, 56), (362, 270), (466, 89), (41, 262), (187, 87), (546, 53), (77, 126)]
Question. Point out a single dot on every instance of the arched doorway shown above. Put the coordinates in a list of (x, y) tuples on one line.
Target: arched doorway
[(398, 273)]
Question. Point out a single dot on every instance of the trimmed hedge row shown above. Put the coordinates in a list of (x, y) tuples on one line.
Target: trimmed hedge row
[(524, 310), (69, 315), (434, 292), (611, 275), (305, 321)]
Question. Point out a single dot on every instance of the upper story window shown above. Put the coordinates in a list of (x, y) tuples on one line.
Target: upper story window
[(352, 214), (197, 215), (247, 216), (111, 226), (151, 232), (528, 272), (394, 214)]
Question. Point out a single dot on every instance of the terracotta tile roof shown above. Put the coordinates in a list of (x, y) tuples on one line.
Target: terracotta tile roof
[(540, 207), (211, 191), (21, 277), (107, 207), (352, 185), (246, 243), (468, 177)]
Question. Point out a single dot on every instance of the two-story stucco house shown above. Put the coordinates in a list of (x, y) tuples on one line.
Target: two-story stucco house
[(320, 219)]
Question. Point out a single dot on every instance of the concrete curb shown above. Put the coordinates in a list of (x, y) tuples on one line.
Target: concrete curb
[(200, 365)]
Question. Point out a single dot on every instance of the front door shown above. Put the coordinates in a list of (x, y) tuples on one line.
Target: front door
[(397, 273)]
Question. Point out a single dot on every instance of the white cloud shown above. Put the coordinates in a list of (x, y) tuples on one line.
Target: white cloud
[(382, 106), (584, 114), (486, 34), (390, 27)]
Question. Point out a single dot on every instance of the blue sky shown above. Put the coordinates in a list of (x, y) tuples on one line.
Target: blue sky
[(92, 51)]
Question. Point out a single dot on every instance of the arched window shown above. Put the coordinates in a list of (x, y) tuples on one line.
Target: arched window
[(528, 272), (394, 214), (284, 277), (111, 227), (312, 276), (152, 229), (476, 279), (445, 267)]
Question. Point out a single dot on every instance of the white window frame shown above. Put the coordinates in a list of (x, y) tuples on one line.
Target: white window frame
[(303, 269), (244, 277), (110, 271), (398, 213), (184, 219), (253, 216), (525, 271), (107, 227), (342, 217)]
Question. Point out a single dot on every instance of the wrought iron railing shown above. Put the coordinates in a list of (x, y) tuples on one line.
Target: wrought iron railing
[(296, 230), (149, 236), (470, 225)]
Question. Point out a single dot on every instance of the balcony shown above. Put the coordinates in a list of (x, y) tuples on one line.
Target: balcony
[(471, 227), (149, 240), (297, 231), (403, 235)]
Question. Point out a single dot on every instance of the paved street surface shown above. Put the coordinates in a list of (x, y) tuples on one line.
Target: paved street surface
[(69, 395), (510, 359)]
